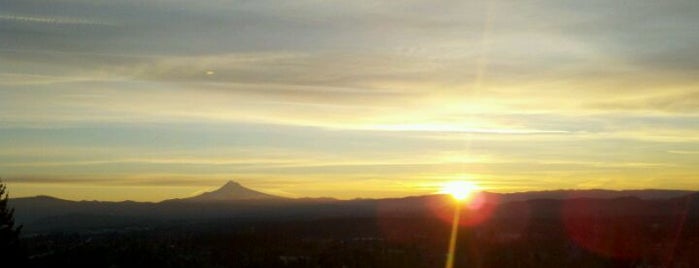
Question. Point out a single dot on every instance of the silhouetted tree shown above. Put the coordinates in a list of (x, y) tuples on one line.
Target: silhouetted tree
[(10, 250)]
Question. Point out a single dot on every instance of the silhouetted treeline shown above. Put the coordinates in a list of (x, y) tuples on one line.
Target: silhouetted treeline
[(11, 252)]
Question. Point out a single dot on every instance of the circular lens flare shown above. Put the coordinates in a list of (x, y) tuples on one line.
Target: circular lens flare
[(460, 190)]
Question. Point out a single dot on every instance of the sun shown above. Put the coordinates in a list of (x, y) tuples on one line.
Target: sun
[(460, 190)]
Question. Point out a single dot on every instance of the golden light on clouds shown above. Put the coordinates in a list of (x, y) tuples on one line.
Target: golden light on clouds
[(381, 99)]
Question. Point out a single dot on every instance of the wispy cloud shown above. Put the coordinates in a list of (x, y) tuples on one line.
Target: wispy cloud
[(53, 20), (682, 152)]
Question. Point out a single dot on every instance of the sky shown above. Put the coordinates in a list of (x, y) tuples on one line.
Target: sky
[(150, 100)]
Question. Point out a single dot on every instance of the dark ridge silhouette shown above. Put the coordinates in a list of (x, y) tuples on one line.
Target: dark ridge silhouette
[(647, 194)]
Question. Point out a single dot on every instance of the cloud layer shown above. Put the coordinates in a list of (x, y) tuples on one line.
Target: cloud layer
[(514, 94)]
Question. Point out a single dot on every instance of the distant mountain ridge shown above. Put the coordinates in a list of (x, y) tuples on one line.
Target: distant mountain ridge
[(234, 191), (646, 194), (232, 200)]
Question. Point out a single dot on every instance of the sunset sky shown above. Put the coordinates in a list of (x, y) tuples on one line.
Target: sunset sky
[(148, 100)]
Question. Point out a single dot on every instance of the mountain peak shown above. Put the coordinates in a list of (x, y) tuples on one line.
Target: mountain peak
[(232, 191), (231, 185)]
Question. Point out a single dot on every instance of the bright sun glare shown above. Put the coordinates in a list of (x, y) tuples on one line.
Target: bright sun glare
[(460, 190)]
